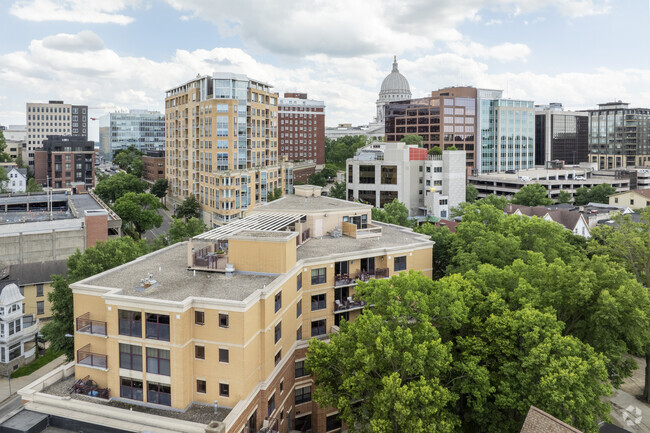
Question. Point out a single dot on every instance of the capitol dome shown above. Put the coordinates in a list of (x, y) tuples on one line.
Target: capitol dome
[(395, 87)]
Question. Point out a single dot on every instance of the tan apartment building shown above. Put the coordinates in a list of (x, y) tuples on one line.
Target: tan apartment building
[(227, 316), (221, 145)]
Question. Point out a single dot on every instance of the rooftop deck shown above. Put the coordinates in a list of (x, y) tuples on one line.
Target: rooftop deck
[(293, 203)]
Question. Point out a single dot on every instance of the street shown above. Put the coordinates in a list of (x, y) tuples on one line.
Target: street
[(164, 227)]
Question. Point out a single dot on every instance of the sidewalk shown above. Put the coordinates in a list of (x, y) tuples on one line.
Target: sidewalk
[(21, 382), (628, 411)]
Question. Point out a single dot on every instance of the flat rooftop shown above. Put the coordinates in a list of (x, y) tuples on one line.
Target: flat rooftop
[(392, 237), (293, 203), (175, 281)]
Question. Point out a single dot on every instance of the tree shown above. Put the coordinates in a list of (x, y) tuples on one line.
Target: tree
[(497, 201), (329, 172), (33, 186), (442, 247), (103, 256), (159, 188), (532, 195), (394, 212), (138, 212), (446, 356), (338, 190), (190, 208), (274, 195), (597, 194), (317, 179), (451, 148), (179, 230), (435, 150), (340, 150), (563, 197), (130, 160), (412, 139), (62, 320), (4, 179), (4, 156), (114, 187), (471, 193)]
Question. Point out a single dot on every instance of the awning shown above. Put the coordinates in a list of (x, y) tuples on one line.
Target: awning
[(269, 221)]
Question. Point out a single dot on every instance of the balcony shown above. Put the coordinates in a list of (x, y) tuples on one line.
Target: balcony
[(270, 425), (87, 386), (87, 358), (84, 324), (343, 280), (348, 304)]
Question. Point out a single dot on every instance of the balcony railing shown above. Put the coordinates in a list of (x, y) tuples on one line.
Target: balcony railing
[(343, 280), (84, 324), (348, 304), (270, 425), (90, 359)]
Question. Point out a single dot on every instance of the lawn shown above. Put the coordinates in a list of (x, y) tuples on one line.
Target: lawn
[(28, 369)]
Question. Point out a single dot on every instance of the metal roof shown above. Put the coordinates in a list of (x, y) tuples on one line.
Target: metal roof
[(270, 221)]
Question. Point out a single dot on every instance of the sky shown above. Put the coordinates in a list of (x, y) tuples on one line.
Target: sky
[(123, 54)]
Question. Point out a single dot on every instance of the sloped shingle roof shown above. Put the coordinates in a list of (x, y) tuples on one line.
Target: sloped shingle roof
[(538, 421)]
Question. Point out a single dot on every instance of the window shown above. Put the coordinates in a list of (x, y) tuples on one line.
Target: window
[(158, 327), (199, 317), (224, 390), (278, 301), (15, 351), (281, 385), (303, 423), (131, 389), (299, 281), (300, 369), (299, 333), (278, 332), (271, 405), (201, 386), (318, 276), (158, 393), (130, 323), (158, 361), (40, 307), (223, 355), (400, 263), (303, 395), (318, 328), (631, 201), (39, 290), (130, 357), (318, 302), (199, 352), (278, 357), (299, 309), (223, 321), (333, 422)]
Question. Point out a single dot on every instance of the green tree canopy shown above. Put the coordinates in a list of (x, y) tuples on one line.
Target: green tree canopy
[(412, 139), (3, 179), (179, 230), (564, 197), (442, 248), (471, 193), (329, 171), (435, 150), (138, 212), (394, 212), (452, 148), (103, 256), (339, 150), (190, 208), (274, 195), (339, 190), (159, 188), (114, 187), (130, 160), (497, 201), (532, 195), (317, 179), (596, 194), (33, 186)]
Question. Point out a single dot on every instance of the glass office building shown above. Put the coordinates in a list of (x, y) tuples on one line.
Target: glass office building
[(145, 130), (507, 133)]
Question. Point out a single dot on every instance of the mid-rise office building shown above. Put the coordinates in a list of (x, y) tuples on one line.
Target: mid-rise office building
[(222, 145), (228, 316), (560, 135), (53, 118), (447, 118), (142, 129), (507, 133), (619, 136), (426, 184), (65, 162), (301, 128), (154, 166)]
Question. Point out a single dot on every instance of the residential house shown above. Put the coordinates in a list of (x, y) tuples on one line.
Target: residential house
[(635, 199), (17, 180), (573, 221), (17, 329)]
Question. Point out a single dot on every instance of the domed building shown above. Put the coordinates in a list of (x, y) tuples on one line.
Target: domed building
[(395, 87)]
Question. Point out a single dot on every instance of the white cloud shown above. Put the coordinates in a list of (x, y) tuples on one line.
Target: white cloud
[(505, 52), (81, 42), (80, 11)]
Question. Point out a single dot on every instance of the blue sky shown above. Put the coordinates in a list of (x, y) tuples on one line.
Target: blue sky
[(122, 54)]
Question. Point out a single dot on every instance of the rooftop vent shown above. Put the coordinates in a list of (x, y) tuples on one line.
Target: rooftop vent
[(146, 283)]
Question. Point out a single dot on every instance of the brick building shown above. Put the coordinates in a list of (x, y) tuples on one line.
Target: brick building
[(301, 132), (64, 161), (154, 165)]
